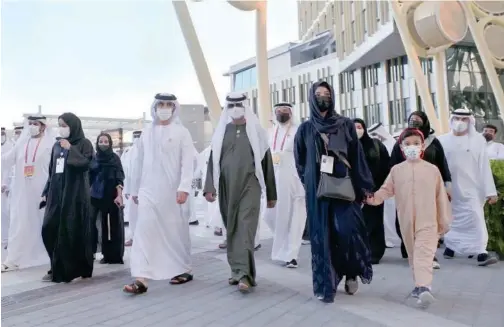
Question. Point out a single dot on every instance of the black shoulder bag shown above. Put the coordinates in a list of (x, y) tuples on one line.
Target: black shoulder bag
[(330, 187)]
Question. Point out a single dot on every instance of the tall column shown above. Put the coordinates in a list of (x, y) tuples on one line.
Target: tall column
[(442, 96), (198, 60), (262, 65)]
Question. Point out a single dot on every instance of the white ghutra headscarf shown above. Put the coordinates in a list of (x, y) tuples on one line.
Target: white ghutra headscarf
[(255, 132)]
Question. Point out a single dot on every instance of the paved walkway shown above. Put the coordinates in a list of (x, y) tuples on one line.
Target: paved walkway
[(467, 296)]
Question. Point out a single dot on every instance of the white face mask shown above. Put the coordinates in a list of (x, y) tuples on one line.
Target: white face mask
[(360, 133), (4, 138), (64, 132), (236, 112), (164, 114), (460, 126), (412, 152), (16, 137), (34, 130)]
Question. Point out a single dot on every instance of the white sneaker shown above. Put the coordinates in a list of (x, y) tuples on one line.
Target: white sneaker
[(351, 286), (9, 267), (425, 299), (305, 242), (436, 265)]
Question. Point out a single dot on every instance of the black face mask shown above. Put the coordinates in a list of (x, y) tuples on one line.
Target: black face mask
[(283, 117), (324, 103), (103, 147), (488, 137), (415, 124)]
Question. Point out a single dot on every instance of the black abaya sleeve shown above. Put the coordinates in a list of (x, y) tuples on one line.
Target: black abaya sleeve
[(359, 173), (80, 155), (396, 157), (49, 176), (441, 162), (300, 153), (269, 176), (384, 165), (119, 172)]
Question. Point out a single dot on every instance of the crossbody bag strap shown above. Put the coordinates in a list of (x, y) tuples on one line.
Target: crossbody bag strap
[(325, 138)]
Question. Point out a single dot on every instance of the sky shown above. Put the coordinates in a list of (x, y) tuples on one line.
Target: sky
[(108, 58)]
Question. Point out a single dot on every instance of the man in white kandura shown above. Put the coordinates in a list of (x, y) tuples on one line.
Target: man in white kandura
[(162, 245), (287, 219), (495, 150), (30, 158), (131, 208), (7, 145), (389, 209), (472, 186)]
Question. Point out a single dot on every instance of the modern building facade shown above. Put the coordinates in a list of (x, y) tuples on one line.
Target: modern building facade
[(355, 46)]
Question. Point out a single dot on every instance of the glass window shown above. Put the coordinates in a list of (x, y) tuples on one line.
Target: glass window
[(253, 76), (293, 99), (391, 113), (406, 109), (354, 34), (364, 77), (238, 82), (364, 20)]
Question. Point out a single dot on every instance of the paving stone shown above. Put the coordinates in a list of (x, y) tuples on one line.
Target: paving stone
[(467, 295)]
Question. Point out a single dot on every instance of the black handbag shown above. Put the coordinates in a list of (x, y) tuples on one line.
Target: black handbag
[(330, 187)]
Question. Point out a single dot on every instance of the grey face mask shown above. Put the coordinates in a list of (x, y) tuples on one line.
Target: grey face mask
[(103, 147)]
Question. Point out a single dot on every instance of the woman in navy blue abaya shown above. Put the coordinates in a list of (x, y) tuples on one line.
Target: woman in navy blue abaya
[(339, 241)]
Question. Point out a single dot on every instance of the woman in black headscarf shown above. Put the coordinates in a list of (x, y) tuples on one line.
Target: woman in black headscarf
[(378, 161), (107, 180), (339, 242), (433, 154), (67, 226)]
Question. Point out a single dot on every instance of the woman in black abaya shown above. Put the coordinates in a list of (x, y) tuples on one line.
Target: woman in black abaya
[(377, 159), (67, 226), (107, 180)]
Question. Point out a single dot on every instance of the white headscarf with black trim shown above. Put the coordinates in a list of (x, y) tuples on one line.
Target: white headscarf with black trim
[(255, 133)]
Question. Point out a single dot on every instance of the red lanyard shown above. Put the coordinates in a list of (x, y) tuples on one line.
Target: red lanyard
[(283, 141), (34, 153)]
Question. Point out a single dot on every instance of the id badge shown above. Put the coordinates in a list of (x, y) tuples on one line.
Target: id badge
[(276, 158), (326, 164), (60, 165), (29, 171)]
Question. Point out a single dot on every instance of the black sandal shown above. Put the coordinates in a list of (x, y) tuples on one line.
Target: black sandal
[(136, 287), (181, 279), (233, 281)]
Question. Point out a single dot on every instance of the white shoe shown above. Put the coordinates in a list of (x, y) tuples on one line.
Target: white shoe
[(425, 299), (6, 268), (351, 286), (305, 242), (436, 265)]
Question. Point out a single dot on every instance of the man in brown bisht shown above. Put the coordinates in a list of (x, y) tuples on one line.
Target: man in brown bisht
[(239, 170)]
